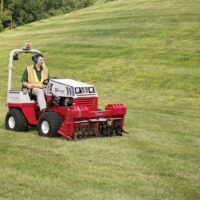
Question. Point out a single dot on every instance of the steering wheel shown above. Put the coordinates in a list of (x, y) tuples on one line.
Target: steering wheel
[(46, 81)]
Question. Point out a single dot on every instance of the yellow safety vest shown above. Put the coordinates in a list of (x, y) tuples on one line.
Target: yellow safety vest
[(32, 76)]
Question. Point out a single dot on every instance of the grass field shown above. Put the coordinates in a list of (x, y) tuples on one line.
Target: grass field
[(144, 53)]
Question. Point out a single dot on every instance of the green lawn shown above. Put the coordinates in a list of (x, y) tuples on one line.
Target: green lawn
[(144, 53)]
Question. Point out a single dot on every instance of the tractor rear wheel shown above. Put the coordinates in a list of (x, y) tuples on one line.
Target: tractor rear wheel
[(15, 120), (49, 124)]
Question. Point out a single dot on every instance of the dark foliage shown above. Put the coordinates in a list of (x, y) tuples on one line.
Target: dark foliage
[(19, 12)]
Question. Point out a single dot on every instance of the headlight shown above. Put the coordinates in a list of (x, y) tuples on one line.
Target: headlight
[(78, 90), (91, 90)]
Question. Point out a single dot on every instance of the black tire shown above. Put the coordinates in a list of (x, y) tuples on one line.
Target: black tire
[(15, 120), (51, 121)]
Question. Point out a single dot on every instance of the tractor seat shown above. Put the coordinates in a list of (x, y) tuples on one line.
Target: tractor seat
[(32, 96)]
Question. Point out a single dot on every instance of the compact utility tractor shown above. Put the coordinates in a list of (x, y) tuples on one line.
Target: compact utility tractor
[(72, 109)]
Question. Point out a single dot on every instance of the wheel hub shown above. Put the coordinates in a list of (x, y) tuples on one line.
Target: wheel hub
[(45, 127), (11, 122)]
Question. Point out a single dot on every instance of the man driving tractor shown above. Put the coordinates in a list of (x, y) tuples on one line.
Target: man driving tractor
[(33, 78), (72, 105)]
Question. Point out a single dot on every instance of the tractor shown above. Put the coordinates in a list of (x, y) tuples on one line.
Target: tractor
[(72, 110)]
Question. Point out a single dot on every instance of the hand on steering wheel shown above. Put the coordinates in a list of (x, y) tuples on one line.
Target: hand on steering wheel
[(46, 81)]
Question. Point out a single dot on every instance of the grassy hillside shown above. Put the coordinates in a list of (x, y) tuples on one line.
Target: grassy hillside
[(144, 53)]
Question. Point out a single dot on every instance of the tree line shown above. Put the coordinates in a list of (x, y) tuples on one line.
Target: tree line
[(14, 13)]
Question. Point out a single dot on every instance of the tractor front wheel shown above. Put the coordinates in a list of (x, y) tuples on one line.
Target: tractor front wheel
[(49, 124), (15, 120)]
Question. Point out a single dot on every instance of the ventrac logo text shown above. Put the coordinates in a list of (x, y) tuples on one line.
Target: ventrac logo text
[(59, 91)]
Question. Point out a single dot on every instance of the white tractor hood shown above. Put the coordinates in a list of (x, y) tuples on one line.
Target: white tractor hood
[(71, 83), (69, 88)]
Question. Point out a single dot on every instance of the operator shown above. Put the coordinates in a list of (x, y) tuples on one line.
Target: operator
[(33, 78)]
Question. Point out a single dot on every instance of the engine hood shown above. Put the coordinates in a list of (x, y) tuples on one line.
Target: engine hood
[(70, 88), (70, 82)]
